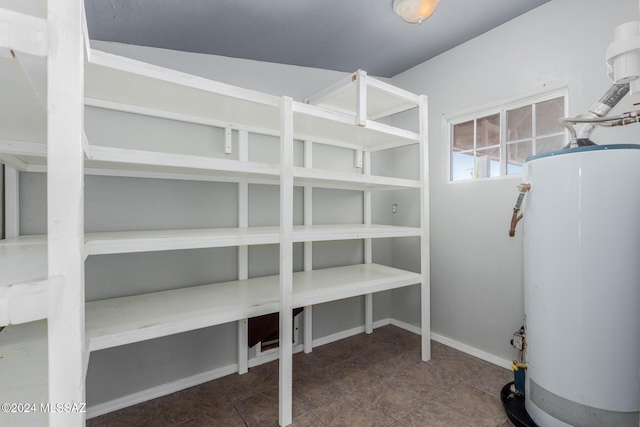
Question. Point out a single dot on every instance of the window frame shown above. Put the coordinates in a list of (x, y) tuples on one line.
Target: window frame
[(500, 108)]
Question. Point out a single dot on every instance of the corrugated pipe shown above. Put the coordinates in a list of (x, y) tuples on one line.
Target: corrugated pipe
[(515, 217)]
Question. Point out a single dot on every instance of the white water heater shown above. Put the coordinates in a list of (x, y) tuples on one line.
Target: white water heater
[(582, 286)]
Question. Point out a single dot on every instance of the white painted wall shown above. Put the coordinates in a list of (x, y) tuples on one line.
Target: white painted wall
[(476, 279)]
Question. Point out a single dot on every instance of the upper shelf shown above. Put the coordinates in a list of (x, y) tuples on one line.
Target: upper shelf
[(125, 84), (117, 82)]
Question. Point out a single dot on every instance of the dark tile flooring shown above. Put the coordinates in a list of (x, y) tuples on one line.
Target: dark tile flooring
[(365, 380)]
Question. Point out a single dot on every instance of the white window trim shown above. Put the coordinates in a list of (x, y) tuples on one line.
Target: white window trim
[(499, 107)]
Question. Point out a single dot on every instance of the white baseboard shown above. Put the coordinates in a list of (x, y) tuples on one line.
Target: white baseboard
[(504, 363), (159, 391), (172, 387), (457, 345)]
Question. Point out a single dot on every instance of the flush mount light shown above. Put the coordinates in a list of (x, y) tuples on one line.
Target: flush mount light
[(415, 11)]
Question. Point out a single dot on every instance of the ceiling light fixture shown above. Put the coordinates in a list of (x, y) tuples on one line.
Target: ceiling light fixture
[(415, 11)]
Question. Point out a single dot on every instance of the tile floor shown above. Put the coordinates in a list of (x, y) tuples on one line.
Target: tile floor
[(365, 380)]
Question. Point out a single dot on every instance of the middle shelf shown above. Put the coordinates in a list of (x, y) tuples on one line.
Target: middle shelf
[(161, 240), (28, 253)]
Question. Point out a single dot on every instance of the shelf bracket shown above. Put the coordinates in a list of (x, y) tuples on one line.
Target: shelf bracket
[(86, 147), (358, 159), (227, 141)]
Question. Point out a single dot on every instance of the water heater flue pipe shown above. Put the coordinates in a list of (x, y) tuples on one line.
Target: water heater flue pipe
[(515, 217), (582, 126)]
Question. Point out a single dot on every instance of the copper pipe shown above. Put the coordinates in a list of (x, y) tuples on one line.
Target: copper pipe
[(514, 221)]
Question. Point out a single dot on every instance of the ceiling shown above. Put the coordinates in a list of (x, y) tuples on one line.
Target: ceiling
[(341, 35)]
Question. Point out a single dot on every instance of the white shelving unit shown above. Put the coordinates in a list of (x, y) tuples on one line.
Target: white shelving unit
[(41, 277)]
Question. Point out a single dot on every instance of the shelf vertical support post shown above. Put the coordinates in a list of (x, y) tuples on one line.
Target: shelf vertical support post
[(368, 245), (308, 247), (65, 208), (286, 261), (11, 202), (425, 266), (243, 250), (361, 98)]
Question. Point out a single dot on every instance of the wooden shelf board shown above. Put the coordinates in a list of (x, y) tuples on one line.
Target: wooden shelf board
[(122, 80), (326, 126), (382, 99), (126, 320), (331, 284), (138, 160), (337, 179), (23, 260), (163, 240), (24, 371)]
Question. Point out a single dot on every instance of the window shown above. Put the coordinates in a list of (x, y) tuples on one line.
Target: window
[(496, 141)]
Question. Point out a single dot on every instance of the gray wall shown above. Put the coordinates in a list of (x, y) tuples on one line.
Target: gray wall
[(477, 269)]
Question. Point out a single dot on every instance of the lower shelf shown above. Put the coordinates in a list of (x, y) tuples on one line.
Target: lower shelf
[(120, 321), (125, 320)]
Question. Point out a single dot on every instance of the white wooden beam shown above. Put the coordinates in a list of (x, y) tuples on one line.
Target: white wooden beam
[(23, 148), (14, 162), (243, 251), (361, 98), (393, 90), (368, 246), (11, 202), (25, 302), (243, 351), (308, 247), (23, 33), (425, 266), (86, 147), (308, 329), (170, 160), (186, 118), (332, 91), (286, 261), (65, 209)]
